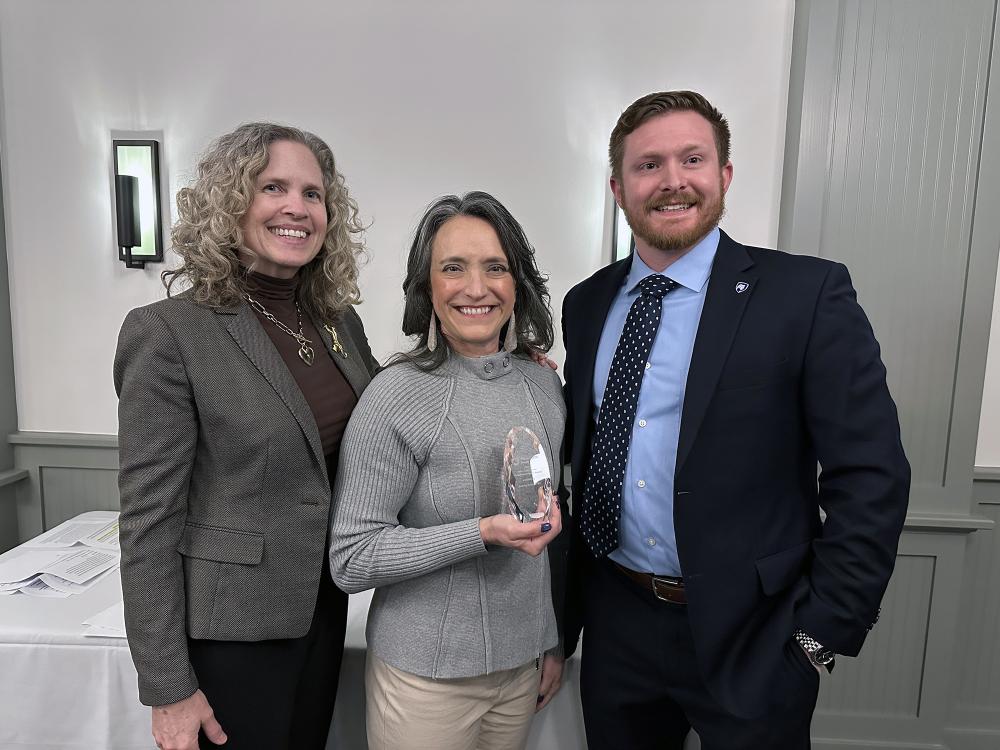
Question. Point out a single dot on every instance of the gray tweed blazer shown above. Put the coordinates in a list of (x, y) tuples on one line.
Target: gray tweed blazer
[(224, 490)]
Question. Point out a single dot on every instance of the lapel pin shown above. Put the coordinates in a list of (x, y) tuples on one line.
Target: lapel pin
[(741, 286), (336, 340)]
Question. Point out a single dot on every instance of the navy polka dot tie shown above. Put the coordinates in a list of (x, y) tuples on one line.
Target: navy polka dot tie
[(602, 493)]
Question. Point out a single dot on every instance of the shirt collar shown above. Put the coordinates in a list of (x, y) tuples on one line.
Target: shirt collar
[(691, 270), (486, 367)]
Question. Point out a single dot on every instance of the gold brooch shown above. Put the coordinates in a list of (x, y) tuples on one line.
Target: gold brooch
[(337, 347)]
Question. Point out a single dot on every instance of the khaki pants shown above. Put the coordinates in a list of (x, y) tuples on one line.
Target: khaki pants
[(409, 712)]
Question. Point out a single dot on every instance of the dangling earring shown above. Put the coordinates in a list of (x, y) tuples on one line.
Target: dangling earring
[(432, 333), (510, 340)]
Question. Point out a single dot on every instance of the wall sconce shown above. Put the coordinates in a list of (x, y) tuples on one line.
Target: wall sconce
[(137, 202)]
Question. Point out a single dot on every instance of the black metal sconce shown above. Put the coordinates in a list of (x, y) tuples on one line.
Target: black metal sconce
[(137, 202)]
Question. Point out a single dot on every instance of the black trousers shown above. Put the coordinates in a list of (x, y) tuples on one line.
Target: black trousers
[(642, 689), (278, 694)]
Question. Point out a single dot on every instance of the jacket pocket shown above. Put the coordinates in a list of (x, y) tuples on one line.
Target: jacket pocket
[(221, 545), (780, 570)]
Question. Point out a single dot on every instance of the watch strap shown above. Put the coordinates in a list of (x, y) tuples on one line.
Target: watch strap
[(821, 657)]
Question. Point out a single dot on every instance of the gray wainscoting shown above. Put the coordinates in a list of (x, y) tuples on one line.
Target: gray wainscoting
[(892, 165), (929, 674), (67, 475), (8, 517), (974, 723)]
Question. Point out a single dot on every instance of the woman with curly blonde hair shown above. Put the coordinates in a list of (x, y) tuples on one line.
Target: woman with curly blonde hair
[(233, 397)]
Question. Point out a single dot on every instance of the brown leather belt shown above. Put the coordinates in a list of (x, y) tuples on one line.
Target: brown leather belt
[(664, 588)]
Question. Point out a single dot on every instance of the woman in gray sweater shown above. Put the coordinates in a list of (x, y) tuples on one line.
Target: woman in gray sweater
[(462, 636)]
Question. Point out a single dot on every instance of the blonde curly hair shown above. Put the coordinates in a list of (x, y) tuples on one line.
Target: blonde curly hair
[(207, 235)]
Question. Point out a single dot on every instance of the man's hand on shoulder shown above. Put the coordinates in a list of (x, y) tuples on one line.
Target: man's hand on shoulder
[(176, 725), (542, 359)]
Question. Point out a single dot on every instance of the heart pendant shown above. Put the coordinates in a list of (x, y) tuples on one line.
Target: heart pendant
[(306, 354)]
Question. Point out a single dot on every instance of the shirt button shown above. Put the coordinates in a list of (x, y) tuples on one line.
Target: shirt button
[(506, 361), (642, 422), (641, 483), (651, 542), (488, 367), (648, 365)]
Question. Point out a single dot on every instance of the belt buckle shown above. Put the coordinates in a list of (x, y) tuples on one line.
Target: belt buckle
[(669, 584)]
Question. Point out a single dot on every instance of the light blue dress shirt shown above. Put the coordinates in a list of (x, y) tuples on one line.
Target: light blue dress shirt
[(647, 542)]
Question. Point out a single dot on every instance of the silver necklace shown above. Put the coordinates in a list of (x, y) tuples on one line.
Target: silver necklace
[(306, 353)]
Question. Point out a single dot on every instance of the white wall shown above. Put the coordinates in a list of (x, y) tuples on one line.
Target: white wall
[(416, 99)]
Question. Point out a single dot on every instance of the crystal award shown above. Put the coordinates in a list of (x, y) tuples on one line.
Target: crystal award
[(526, 482)]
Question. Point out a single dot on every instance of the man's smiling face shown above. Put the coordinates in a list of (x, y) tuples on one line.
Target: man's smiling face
[(672, 187)]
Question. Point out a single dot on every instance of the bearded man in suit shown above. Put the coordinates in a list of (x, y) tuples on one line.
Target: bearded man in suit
[(707, 383)]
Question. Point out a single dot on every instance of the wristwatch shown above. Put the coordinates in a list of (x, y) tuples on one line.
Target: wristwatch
[(821, 657)]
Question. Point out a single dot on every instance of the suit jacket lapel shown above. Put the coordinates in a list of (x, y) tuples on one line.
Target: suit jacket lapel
[(591, 324), (245, 328), (351, 366), (725, 302)]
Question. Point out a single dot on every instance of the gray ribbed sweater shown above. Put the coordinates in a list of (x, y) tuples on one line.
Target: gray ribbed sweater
[(420, 464)]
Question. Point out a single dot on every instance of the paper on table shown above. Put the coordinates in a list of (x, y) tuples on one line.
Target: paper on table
[(55, 572), (20, 564), (109, 623), (99, 533), (80, 566), (38, 587), (61, 584), (10, 588), (103, 537)]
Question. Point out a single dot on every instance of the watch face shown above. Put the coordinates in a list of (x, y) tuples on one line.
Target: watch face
[(823, 656)]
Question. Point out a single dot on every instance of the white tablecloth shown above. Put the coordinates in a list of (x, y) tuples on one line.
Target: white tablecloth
[(62, 690)]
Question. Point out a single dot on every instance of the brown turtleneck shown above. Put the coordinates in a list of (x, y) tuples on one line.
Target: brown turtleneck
[(327, 392)]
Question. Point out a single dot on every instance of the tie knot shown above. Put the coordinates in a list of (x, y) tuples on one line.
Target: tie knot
[(656, 285)]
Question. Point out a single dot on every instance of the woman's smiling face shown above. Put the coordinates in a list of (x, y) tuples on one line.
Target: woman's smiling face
[(472, 290), (286, 223)]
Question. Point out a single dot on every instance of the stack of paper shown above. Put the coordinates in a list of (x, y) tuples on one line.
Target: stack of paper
[(98, 530), (109, 623), (65, 560)]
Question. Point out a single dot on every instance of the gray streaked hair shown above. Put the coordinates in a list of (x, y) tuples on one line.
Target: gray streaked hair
[(532, 314)]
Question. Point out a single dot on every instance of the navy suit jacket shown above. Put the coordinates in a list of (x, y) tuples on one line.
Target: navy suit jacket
[(785, 376)]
